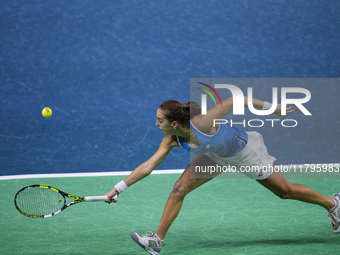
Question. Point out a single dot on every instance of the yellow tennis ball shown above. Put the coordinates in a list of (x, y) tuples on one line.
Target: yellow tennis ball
[(46, 112)]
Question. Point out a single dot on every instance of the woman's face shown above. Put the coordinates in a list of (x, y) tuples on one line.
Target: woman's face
[(163, 123)]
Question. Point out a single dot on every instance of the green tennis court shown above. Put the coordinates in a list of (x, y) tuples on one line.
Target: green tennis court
[(224, 216)]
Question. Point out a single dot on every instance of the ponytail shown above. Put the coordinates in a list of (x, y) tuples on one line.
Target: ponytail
[(182, 113)]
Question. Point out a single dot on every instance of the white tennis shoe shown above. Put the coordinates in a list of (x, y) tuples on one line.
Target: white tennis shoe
[(333, 214), (150, 242)]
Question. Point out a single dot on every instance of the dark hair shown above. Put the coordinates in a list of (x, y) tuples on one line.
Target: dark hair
[(176, 111)]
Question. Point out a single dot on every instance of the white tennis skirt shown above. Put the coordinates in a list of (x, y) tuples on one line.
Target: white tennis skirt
[(253, 160)]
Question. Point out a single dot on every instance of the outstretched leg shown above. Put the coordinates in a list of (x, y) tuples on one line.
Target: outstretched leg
[(182, 187), (284, 189)]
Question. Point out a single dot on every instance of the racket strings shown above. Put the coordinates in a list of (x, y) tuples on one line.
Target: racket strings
[(39, 201)]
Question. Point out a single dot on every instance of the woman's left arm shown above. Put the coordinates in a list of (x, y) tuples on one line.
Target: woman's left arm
[(219, 111), (265, 106)]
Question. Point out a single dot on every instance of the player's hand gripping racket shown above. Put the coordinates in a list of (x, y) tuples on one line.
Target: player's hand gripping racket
[(41, 201)]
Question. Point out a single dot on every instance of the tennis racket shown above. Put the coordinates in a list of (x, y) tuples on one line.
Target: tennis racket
[(42, 201)]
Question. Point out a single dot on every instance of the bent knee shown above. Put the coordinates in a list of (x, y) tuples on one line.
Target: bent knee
[(180, 189), (284, 195), (287, 193)]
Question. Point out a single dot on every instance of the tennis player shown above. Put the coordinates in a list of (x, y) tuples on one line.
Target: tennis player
[(223, 144)]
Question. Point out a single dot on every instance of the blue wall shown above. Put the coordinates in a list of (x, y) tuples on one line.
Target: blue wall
[(105, 66)]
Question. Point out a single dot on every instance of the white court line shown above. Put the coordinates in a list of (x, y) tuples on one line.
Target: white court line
[(94, 174), (172, 171)]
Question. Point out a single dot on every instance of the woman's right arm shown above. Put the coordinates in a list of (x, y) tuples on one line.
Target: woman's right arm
[(148, 166)]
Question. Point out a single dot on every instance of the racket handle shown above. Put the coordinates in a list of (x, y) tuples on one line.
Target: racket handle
[(98, 198)]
